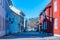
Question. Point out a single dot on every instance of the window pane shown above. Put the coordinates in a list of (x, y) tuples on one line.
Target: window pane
[(56, 23), (55, 6)]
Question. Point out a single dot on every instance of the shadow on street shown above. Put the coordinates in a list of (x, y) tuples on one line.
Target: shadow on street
[(26, 35)]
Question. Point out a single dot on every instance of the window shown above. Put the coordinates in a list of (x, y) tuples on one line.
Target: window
[(9, 1), (11, 20), (56, 23), (0, 2), (44, 15), (45, 25), (42, 25), (55, 6)]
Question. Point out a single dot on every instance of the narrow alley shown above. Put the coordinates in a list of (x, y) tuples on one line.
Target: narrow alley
[(29, 20)]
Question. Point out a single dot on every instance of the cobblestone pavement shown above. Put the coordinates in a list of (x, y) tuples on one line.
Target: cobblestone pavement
[(30, 36), (46, 38)]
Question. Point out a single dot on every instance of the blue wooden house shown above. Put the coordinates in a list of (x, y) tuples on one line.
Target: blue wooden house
[(11, 19), (17, 20)]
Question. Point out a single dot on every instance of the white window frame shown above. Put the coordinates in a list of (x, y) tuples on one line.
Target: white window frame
[(56, 23), (55, 6)]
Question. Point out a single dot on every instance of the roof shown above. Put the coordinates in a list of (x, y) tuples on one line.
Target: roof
[(48, 6), (18, 12), (15, 9)]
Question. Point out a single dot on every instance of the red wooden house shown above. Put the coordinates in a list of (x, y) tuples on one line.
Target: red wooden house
[(51, 20)]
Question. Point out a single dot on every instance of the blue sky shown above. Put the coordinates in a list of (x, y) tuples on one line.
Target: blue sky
[(31, 8)]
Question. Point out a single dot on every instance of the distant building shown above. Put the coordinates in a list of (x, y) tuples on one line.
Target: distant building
[(26, 24), (31, 23)]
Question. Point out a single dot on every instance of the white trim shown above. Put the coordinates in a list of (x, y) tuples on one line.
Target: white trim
[(56, 35)]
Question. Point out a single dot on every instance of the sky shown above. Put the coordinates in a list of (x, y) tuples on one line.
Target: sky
[(31, 8)]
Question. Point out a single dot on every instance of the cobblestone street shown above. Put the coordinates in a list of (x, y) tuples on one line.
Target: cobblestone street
[(46, 38), (29, 19), (30, 36)]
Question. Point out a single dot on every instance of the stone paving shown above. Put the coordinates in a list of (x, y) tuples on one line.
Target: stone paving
[(30, 36), (46, 38)]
